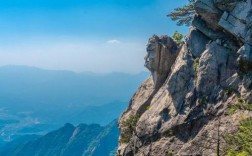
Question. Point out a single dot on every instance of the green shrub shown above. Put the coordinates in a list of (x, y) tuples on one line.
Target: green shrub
[(240, 100), (240, 143), (196, 64), (169, 152), (148, 107), (170, 133), (239, 106), (230, 91), (203, 101), (184, 15), (177, 36), (128, 127)]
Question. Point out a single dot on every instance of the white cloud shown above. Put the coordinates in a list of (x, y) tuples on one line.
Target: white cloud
[(113, 41)]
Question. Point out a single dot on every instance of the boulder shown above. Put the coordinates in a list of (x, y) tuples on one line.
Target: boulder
[(203, 27), (196, 42), (209, 13), (238, 21), (224, 39)]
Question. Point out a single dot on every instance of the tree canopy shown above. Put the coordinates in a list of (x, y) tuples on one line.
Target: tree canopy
[(183, 15)]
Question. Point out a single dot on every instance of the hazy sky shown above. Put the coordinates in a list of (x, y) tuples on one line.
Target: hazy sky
[(82, 35)]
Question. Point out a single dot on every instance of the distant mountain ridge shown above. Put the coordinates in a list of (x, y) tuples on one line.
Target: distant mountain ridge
[(36, 101), (83, 140), (32, 85)]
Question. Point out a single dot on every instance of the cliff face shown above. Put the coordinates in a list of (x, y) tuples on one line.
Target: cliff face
[(197, 90)]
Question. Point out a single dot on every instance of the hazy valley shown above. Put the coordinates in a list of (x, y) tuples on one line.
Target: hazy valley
[(36, 101)]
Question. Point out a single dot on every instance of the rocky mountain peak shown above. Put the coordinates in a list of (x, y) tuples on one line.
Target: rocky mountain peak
[(197, 91), (161, 54)]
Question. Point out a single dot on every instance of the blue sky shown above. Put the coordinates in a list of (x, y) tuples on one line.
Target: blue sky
[(82, 35)]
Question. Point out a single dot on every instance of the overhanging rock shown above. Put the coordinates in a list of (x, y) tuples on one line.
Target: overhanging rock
[(237, 22)]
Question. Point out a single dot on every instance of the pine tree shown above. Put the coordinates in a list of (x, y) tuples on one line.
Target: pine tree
[(184, 15)]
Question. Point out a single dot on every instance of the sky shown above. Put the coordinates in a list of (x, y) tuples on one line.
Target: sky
[(100, 36)]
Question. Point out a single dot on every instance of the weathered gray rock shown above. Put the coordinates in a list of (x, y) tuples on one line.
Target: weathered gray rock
[(232, 82), (237, 22), (216, 65), (190, 99), (225, 40), (245, 58), (177, 115), (209, 13), (233, 25), (161, 54), (203, 27), (196, 42), (225, 5), (247, 81), (181, 81)]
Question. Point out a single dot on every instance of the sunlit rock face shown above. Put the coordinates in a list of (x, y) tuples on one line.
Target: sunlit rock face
[(194, 87), (161, 54)]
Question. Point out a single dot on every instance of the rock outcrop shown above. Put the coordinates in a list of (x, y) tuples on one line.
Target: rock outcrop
[(188, 101), (161, 55)]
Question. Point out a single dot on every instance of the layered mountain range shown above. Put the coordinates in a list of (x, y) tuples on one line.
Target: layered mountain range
[(36, 101), (82, 140), (199, 92)]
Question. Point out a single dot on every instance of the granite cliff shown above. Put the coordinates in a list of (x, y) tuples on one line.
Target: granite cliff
[(199, 91)]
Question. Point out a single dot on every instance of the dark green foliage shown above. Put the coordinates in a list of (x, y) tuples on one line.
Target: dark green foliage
[(148, 107), (170, 133), (128, 127), (240, 105), (196, 64), (240, 143), (230, 91), (177, 36), (203, 100), (169, 153), (184, 15)]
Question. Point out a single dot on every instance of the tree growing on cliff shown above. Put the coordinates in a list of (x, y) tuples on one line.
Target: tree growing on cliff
[(183, 15), (177, 36)]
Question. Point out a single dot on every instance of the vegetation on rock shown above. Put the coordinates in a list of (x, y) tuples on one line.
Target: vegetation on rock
[(128, 127), (241, 141), (196, 64), (184, 15), (177, 36), (241, 105)]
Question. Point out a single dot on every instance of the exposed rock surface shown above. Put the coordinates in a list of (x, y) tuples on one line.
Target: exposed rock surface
[(181, 108), (161, 54)]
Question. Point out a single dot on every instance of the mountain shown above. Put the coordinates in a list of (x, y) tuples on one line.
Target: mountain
[(83, 140), (36, 101), (29, 87), (199, 98), (98, 114), (12, 127)]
